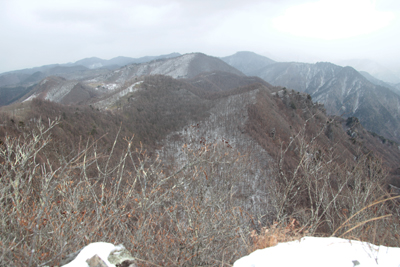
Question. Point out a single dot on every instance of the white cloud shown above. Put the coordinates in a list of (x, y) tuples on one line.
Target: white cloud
[(57, 31), (333, 19)]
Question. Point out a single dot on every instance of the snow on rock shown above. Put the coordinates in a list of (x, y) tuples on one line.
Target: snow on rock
[(110, 254), (323, 252)]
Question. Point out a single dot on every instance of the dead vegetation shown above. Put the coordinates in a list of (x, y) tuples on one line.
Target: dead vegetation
[(190, 216)]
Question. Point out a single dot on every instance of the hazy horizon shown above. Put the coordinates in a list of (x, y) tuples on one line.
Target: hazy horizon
[(42, 32)]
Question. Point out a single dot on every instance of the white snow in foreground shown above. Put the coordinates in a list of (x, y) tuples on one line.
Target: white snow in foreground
[(101, 249), (323, 252)]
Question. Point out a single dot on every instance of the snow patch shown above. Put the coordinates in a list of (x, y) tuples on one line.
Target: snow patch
[(95, 66), (176, 68), (101, 249), (44, 81), (344, 87), (116, 96), (357, 102), (30, 98), (320, 251), (130, 89), (109, 86), (58, 92)]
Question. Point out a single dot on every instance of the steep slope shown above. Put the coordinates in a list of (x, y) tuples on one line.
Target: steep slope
[(298, 76), (343, 91), (247, 62)]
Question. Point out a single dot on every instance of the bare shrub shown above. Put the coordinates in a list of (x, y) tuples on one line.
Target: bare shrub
[(329, 197), (197, 214), (191, 216)]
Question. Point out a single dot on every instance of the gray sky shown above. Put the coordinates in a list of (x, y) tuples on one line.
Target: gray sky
[(40, 32)]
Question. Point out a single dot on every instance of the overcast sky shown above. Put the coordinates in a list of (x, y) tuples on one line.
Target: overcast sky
[(40, 32)]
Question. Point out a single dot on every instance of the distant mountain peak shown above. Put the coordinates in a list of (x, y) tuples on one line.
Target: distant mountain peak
[(245, 53), (375, 69), (248, 62)]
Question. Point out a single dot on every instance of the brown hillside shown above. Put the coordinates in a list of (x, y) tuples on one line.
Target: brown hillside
[(275, 119)]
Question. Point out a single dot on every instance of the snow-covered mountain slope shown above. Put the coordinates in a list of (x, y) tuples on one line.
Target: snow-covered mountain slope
[(60, 90), (299, 76), (65, 91), (343, 91), (186, 66), (110, 99), (81, 69)]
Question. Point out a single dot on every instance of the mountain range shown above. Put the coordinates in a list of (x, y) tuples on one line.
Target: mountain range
[(342, 90), (194, 156), (265, 123), (77, 70)]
